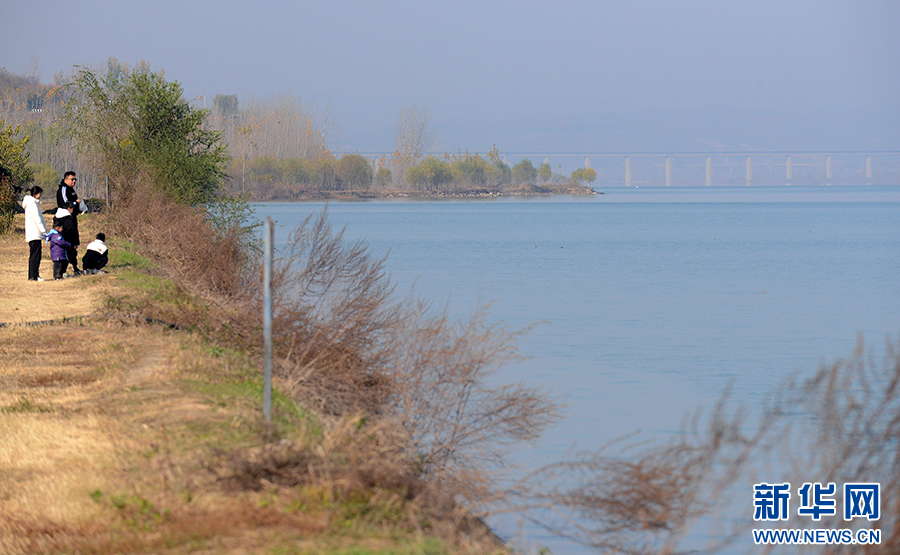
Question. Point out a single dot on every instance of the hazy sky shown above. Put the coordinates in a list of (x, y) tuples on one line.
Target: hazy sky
[(476, 62)]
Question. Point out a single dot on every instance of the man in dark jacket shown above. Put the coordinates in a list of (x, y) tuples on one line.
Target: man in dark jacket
[(69, 221), (66, 192)]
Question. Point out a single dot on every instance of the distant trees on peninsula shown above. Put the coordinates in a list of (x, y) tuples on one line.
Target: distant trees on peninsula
[(275, 148)]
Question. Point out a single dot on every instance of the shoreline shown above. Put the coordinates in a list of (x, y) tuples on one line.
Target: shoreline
[(433, 195)]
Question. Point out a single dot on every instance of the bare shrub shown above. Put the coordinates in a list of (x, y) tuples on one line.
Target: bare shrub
[(345, 343), (641, 498), (460, 426), (842, 425), (331, 320)]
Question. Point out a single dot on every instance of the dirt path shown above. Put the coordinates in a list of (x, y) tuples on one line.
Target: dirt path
[(27, 301)]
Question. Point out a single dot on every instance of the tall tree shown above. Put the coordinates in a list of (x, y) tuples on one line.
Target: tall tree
[(412, 137), (136, 121)]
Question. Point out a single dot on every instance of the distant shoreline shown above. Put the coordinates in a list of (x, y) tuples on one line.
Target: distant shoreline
[(436, 195)]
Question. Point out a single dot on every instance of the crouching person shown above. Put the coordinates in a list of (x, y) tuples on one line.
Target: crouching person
[(95, 256)]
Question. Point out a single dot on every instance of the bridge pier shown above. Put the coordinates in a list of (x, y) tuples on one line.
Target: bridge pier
[(708, 171), (749, 172), (790, 169), (668, 171), (828, 169), (868, 169), (628, 171)]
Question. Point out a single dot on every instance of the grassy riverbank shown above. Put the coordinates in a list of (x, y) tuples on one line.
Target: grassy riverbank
[(123, 436)]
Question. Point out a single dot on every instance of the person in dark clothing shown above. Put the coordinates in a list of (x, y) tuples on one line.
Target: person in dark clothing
[(69, 229), (95, 256), (66, 192)]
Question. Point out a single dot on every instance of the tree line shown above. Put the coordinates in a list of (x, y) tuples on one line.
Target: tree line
[(275, 148)]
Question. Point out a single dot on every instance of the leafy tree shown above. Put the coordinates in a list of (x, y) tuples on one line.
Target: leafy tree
[(473, 170), (295, 170), (437, 171), (136, 122), (264, 170), (383, 177), (430, 173), (13, 156), (354, 171), (584, 174), (415, 176), (503, 172), (524, 172), (14, 171), (325, 176), (545, 172)]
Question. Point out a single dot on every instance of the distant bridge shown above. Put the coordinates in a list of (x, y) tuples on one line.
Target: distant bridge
[(772, 167), (721, 167)]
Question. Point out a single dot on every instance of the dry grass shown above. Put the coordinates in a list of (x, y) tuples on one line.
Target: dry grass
[(109, 456), (58, 386)]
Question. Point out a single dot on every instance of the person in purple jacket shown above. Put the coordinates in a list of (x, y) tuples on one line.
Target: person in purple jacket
[(58, 250)]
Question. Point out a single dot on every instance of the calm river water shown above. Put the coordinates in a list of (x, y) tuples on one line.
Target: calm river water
[(650, 301)]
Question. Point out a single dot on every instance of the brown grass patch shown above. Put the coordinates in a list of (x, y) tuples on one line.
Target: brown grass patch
[(116, 464)]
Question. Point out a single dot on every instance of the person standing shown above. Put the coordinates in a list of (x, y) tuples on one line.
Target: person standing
[(66, 192), (34, 231)]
